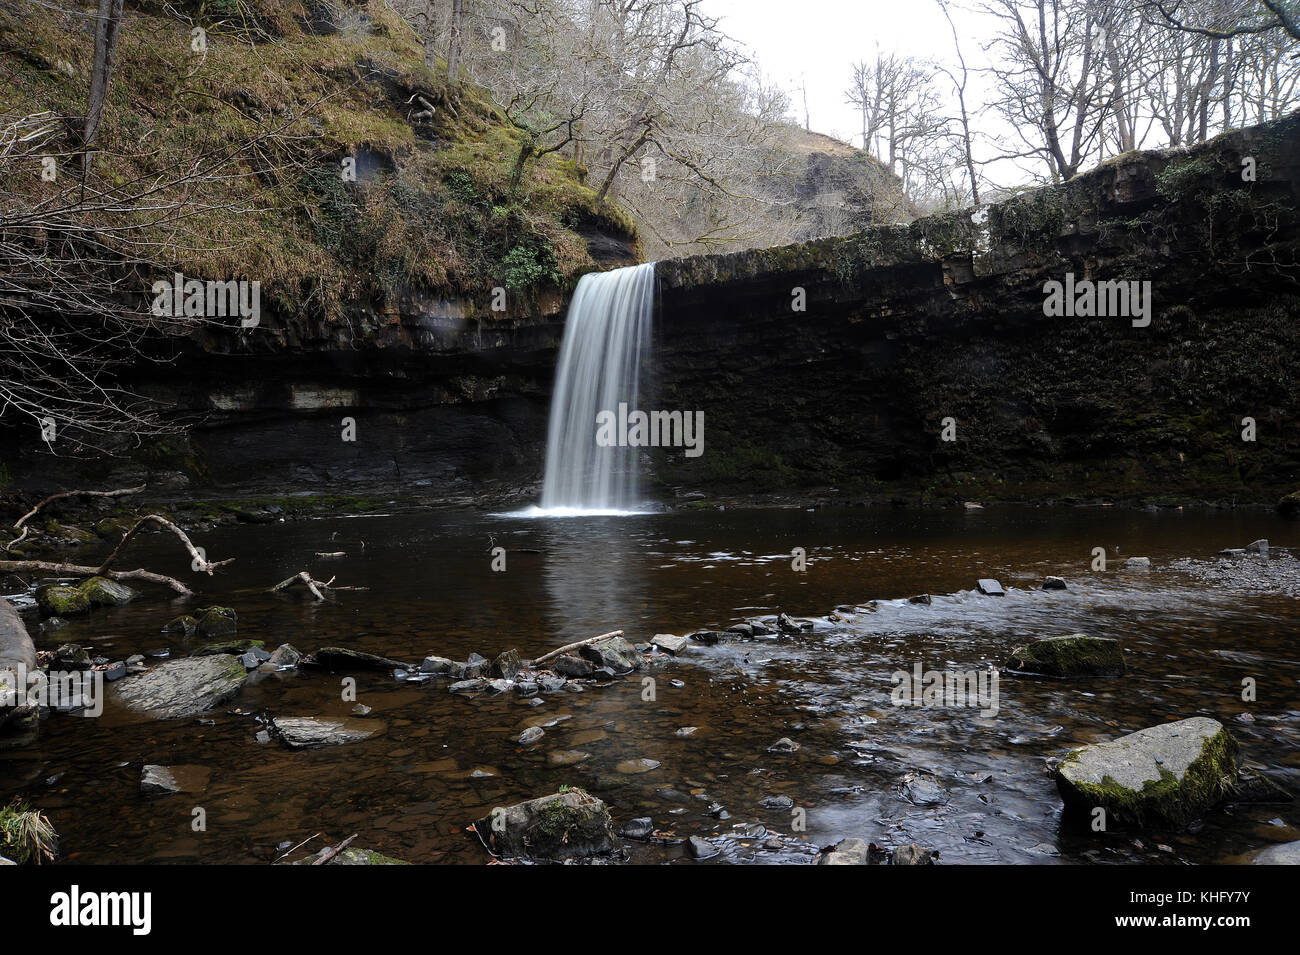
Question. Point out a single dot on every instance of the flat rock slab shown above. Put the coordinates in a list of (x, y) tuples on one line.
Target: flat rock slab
[(181, 688), (847, 852), (990, 587), (1075, 655), (567, 825), (165, 780), (670, 643), (1164, 775), (306, 732)]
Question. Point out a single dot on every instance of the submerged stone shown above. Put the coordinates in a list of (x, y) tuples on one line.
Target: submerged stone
[(1163, 775), (305, 732), (180, 688), (1075, 655), (165, 780)]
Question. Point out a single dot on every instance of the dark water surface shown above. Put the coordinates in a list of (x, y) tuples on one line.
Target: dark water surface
[(1193, 628)]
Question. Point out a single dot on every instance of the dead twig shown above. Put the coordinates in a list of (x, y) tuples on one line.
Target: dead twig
[(574, 646), (328, 856), (319, 588)]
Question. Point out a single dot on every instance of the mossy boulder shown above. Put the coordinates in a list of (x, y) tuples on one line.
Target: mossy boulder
[(216, 622), (184, 624), (102, 592), (61, 600), (1168, 775), (1075, 655), (567, 825), (182, 688)]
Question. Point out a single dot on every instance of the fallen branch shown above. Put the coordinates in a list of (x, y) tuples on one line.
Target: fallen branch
[(574, 646), (105, 569), (120, 492), (312, 584), (328, 856), (201, 563), (286, 855)]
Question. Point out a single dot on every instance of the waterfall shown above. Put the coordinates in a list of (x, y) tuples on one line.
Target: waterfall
[(606, 336)]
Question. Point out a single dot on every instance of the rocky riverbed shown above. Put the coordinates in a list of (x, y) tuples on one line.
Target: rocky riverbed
[(748, 712)]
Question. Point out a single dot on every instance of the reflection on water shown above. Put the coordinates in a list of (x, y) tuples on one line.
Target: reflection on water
[(974, 787)]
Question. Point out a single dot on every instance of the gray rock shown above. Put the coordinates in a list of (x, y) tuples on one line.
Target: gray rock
[(709, 637), (784, 745), (924, 791), (1053, 583), (701, 848), (250, 660), (559, 827), (743, 630), (165, 780), (531, 735), (440, 665), (918, 599), (990, 587), (102, 592), (912, 854), (670, 644), (640, 828), (184, 624), (1163, 775), (472, 685), (180, 688), (349, 856), (1138, 562), (573, 667), (1257, 547), (615, 653), (284, 656), (1070, 656), (305, 732), (847, 852), (507, 665)]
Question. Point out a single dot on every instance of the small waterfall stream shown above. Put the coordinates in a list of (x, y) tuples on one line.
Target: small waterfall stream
[(606, 337)]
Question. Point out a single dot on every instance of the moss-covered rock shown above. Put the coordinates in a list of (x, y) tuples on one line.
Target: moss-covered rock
[(1075, 655), (615, 653), (235, 647), (184, 624), (61, 600), (567, 825), (102, 592), (216, 622), (1165, 775)]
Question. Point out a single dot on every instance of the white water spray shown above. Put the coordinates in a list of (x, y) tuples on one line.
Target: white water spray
[(606, 336)]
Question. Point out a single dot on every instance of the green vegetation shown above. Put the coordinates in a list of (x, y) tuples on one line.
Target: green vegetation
[(429, 209), (26, 835)]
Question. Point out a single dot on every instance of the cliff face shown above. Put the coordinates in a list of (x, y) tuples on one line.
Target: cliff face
[(904, 327)]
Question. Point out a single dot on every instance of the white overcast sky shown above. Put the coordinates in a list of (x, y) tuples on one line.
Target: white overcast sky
[(817, 41)]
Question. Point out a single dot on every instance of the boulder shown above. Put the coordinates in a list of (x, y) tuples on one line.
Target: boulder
[(284, 656), (615, 653), (305, 732), (1257, 547), (990, 587), (1075, 655), (847, 852), (1053, 583), (507, 665), (563, 826), (1164, 775), (184, 624), (180, 688), (61, 600), (215, 622), (102, 592), (438, 665)]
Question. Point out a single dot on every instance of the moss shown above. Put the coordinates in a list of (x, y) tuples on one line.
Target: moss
[(1168, 801), (1076, 655), (58, 600)]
